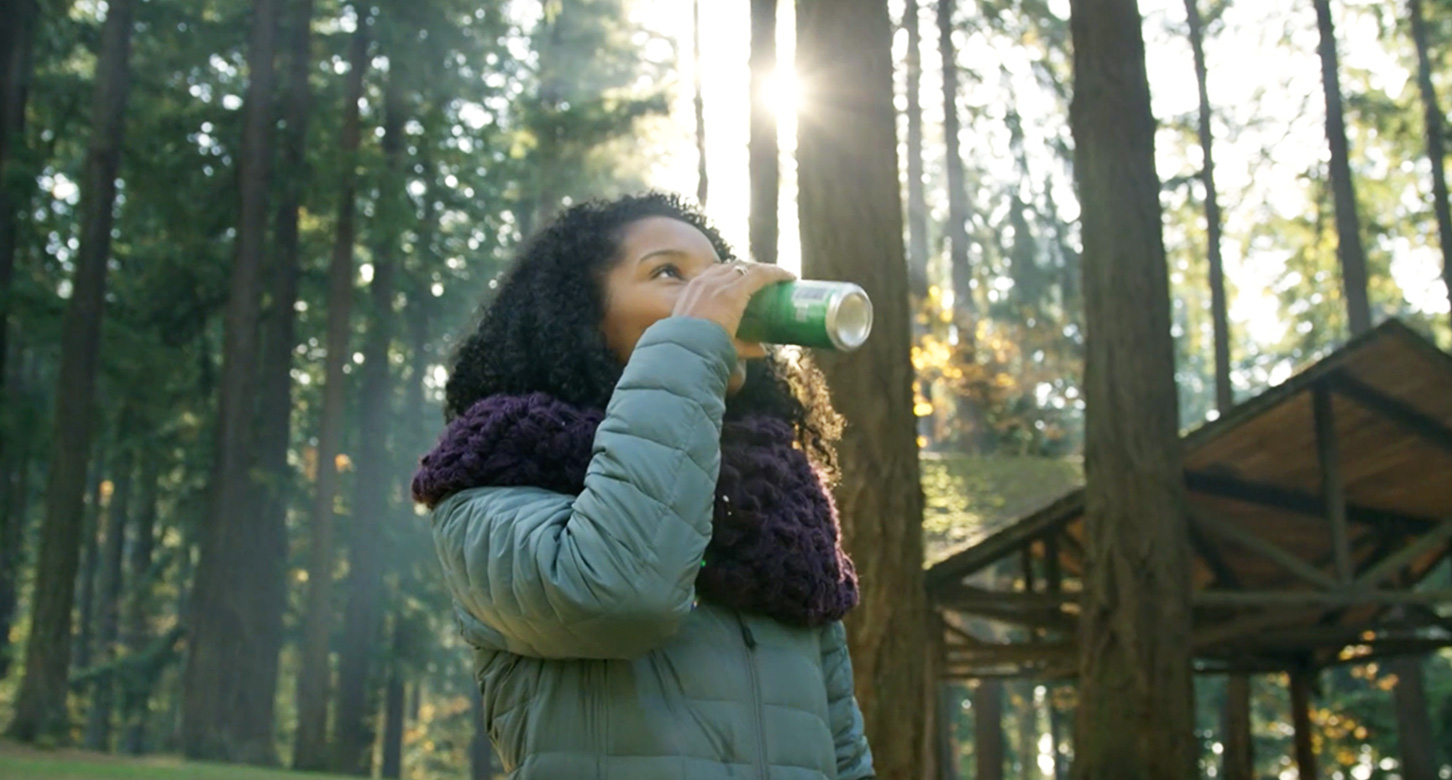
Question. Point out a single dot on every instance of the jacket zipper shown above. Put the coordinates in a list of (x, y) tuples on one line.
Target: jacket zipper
[(756, 696)]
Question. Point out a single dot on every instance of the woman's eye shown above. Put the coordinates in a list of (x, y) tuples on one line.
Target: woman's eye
[(669, 269)]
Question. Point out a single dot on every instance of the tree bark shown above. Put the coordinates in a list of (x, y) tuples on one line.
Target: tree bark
[(393, 713), (40, 711), (230, 679), (917, 209), (1136, 715), (1239, 747), (1435, 129), (14, 500), (314, 675), (702, 183), (988, 730), (108, 612), (363, 617), (764, 153), (17, 41), (1349, 248), (1414, 725), (90, 561), (957, 232), (279, 328), (1224, 394), (1301, 680), (136, 694), (850, 208), (1028, 733)]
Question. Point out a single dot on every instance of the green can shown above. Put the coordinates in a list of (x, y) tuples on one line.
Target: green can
[(807, 313)]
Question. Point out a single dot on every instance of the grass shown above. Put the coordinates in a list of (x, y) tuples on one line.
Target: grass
[(22, 763)]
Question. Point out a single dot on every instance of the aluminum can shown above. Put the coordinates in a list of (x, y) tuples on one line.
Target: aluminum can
[(808, 313)]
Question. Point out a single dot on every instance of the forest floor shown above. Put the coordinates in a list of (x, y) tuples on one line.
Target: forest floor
[(23, 763)]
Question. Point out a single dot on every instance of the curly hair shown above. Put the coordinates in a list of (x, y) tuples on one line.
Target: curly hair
[(541, 333)]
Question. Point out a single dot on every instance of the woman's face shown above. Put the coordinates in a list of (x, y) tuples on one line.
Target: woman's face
[(657, 257)]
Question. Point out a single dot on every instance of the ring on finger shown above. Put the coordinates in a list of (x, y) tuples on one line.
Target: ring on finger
[(739, 268)]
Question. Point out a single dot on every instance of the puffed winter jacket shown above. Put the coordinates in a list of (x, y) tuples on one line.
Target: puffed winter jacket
[(593, 655)]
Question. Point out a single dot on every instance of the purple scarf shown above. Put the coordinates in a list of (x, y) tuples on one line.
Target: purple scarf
[(774, 546)]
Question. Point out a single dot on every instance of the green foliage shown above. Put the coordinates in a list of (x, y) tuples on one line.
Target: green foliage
[(40, 765)]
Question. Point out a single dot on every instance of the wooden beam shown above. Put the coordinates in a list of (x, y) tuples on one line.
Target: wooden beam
[(1026, 562), (1053, 570), (1286, 500), (1340, 598), (1217, 633), (1291, 563), (1391, 648), (966, 597), (1404, 557), (1413, 421), (1333, 485), (1004, 543), (1224, 575)]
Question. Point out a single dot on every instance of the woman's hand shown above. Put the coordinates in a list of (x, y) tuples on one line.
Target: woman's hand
[(720, 294)]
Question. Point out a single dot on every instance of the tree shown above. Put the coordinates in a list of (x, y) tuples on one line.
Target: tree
[(136, 692), (231, 672), (699, 103), (1349, 248), (1436, 151), (957, 179), (917, 209), (1135, 716), (373, 500), (850, 209), (763, 151), (16, 47), (1224, 395), (108, 617), (314, 675), (40, 710), (988, 729)]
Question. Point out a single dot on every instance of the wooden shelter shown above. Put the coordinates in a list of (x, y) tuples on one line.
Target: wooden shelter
[(1316, 511)]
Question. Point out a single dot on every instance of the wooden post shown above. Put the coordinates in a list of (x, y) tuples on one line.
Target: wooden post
[(1333, 488), (988, 729), (1239, 750), (949, 700), (1301, 717)]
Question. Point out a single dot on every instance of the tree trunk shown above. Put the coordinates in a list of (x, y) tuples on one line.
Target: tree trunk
[(40, 711), (1301, 680), (231, 674), (1224, 395), (957, 233), (315, 675), (702, 184), (988, 746), (17, 40), (90, 561), (1414, 725), (393, 712), (108, 612), (14, 499), (764, 152), (136, 693), (1028, 733), (1348, 223), (917, 210), (1239, 746), (373, 498), (850, 208), (1136, 714), (1435, 129)]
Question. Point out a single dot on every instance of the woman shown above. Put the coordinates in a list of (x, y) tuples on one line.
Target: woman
[(629, 507)]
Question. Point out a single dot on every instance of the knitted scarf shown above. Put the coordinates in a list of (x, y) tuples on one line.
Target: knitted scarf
[(775, 545)]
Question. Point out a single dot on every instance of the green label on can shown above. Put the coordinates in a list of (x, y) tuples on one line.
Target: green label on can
[(824, 315)]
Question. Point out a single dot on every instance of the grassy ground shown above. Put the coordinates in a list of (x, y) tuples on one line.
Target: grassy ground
[(20, 763)]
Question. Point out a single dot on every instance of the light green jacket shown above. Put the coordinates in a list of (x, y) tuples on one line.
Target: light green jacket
[(593, 655)]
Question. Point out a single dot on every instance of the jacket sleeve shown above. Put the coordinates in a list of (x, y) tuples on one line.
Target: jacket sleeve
[(610, 573), (854, 757)]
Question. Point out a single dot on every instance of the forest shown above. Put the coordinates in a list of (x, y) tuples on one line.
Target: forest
[(241, 239)]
